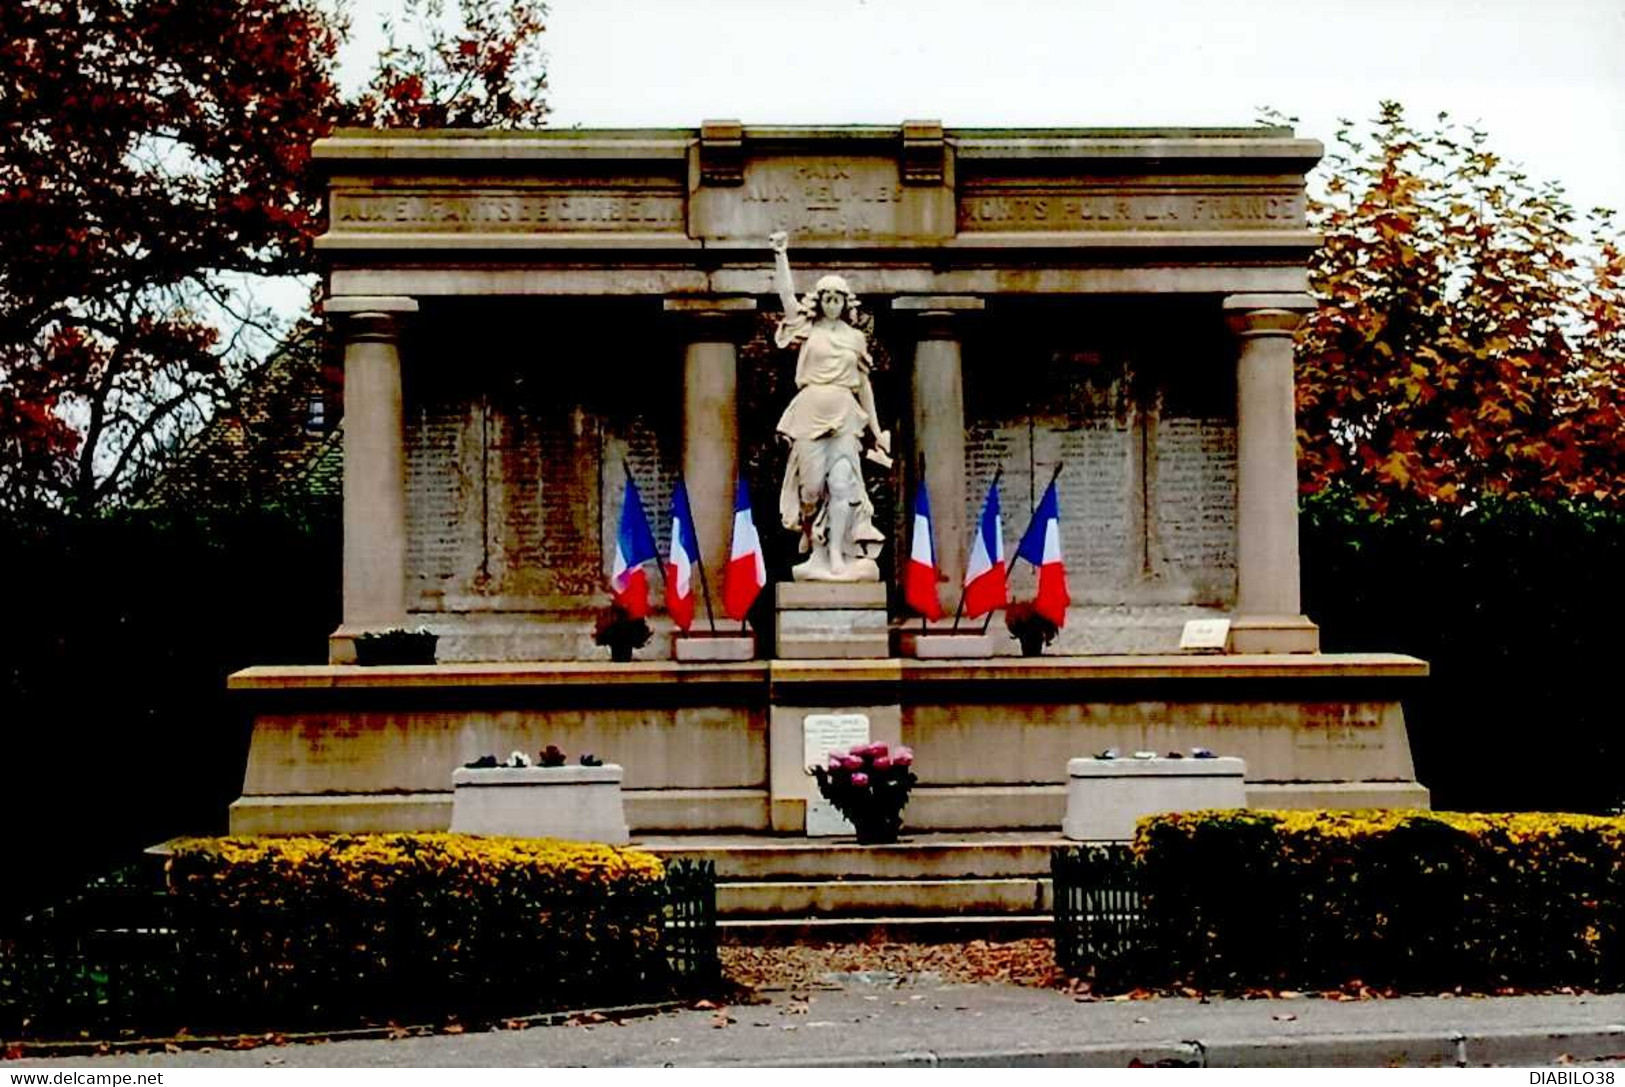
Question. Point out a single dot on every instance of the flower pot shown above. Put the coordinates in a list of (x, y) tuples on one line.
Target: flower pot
[(877, 832), (1032, 646), (621, 654)]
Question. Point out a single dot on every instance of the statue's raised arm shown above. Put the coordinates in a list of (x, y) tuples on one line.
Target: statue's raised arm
[(783, 281)]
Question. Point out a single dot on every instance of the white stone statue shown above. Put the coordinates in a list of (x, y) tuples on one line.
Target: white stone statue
[(823, 496)]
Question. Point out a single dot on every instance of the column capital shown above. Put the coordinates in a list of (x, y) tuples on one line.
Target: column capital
[(940, 316), (709, 318), (369, 318), (1266, 314)]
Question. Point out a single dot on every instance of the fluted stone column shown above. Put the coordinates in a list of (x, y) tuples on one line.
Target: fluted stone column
[(938, 409), (1268, 616), (374, 468), (711, 328)]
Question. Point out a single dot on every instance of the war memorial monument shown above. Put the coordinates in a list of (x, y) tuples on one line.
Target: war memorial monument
[(837, 316)]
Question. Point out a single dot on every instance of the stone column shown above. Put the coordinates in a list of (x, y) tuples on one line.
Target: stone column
[(711, 328), (1268, 615), (938, 412), (374, 468)]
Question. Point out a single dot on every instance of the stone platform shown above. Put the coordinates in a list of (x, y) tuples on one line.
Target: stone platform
[(716, 747)]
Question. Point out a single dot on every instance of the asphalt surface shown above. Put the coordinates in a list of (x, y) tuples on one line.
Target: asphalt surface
[(881, 1021)]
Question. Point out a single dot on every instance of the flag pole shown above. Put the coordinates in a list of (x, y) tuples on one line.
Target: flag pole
[(960, 610), (1030, 517), (699, 559), (649, 528), (919, 481)]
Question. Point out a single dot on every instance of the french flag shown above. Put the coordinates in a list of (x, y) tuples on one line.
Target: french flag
[(634, 546), (746, 573), (984, 570), (1041, 546), (920, 578), (681, 560)]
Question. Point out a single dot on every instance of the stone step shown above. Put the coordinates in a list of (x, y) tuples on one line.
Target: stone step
[(908, 897), (939, 857), (883, 929)]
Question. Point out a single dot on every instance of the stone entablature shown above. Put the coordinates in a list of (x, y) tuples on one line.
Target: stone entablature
[(915, 186)]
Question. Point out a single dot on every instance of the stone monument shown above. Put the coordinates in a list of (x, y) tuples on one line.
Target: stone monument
[(527, 317)]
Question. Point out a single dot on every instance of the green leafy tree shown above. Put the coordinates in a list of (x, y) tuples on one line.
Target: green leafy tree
[(1470, 337), (154, 168)]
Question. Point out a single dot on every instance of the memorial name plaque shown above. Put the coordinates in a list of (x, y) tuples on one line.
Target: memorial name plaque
[(821, 734), (1210, 635)]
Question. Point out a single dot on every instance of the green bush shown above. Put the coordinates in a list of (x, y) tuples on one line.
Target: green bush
[(291, 930), (1413, 900), (1506, 601)]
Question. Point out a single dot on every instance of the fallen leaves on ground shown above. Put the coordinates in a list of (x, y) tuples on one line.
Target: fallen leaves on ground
[(800, 967)]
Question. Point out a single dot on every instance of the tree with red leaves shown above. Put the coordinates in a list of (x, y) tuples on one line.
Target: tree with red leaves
[(154, 170), (1469, 344)]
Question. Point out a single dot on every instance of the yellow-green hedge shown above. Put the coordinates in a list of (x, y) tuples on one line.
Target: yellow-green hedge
[(394, 925), (1418, 900)]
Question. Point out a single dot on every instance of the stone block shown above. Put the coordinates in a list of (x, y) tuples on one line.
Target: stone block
[(935, 645), (833, 633), (1105, 797), (575, 803), (713, 647), (825, 595)]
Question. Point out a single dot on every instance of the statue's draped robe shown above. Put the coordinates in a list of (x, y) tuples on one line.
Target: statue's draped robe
[(823, 424)]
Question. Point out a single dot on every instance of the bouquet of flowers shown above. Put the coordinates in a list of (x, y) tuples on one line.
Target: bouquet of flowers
[(869, 785)]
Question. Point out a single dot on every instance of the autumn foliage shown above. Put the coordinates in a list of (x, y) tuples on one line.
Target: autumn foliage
[(154, 169), (1470, 337)]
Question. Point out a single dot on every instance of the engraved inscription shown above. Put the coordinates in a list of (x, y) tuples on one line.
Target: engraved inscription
[(463, 211), (1193, 489), (854, 197), (1129, 209)]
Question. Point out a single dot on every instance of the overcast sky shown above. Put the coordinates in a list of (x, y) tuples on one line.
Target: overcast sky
[(1545, 77)]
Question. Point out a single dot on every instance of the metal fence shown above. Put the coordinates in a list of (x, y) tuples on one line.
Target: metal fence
[(1099, 925), (120, 959)]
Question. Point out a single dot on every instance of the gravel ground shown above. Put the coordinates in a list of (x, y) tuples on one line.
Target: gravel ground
[(802, 967)]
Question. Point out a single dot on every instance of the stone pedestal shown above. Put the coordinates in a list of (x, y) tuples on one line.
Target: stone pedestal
[(704, 646), (934, 644), (1106, 797), (832, 620), (575, 803)]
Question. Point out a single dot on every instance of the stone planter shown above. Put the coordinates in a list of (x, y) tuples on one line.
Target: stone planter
[(700, 647), (940, 644), (575, 803), (1105, 797)]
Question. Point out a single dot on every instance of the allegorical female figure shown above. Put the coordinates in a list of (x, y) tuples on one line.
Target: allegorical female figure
[(823, 496)]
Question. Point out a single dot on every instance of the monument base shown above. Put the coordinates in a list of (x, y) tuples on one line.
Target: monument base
[(832, 620)]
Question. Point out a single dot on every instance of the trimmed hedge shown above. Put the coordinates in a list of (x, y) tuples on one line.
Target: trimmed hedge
[(1413, 900), (292, 930)]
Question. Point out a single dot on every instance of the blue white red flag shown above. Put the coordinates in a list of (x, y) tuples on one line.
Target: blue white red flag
[(634, 546), (681, 560), (920, 577), (1041, 546), (746, 573), (985, 587)]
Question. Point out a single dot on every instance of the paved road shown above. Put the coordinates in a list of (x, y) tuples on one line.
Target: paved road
[(880, 1022)]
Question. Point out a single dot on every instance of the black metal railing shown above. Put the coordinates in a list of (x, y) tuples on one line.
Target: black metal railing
[(122, 958), (690, 929), (1099, 926)]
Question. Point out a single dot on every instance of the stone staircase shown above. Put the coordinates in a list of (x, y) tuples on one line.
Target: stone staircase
[(926, 887)]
